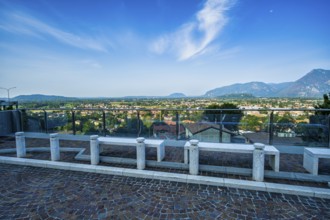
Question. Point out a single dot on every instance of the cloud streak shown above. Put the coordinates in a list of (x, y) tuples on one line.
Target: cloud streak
[(23, 24), (192, 38)]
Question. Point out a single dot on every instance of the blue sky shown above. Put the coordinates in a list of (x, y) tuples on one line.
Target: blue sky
[(119, 48)]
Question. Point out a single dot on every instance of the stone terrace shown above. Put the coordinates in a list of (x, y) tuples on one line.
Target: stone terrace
[(40, 193)]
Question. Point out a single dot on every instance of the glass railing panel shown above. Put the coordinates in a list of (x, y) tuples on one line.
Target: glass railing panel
[(315, 133), (277, 127), (300, 128), (204, 131), (191, 121), (202, 127), (253, 127), (33, 120), (59, 122), (219, 127), (110, 123), (122, 123), (284, 125), (161, 124), (89, 122), (150, 124)]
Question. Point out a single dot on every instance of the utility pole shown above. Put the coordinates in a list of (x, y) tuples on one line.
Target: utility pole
[(8, 92)]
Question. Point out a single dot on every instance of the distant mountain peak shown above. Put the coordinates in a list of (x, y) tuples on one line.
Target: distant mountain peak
[(255, 88), (313, 84), (177, 95)]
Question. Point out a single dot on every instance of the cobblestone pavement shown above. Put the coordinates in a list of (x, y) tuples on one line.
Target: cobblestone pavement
[(40, 193)]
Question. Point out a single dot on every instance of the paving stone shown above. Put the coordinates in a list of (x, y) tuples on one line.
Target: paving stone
[(41, 193), (34, 192)]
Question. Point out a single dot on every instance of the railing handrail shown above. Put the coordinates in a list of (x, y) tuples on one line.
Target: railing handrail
[(174, 109)]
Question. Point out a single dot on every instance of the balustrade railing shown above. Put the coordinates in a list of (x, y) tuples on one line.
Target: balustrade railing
[(289, 127)]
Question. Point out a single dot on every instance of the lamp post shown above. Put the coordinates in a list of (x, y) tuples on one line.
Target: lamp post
[(8, 92)]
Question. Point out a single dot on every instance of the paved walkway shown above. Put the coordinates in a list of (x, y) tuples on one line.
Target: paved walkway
[(40, 193)]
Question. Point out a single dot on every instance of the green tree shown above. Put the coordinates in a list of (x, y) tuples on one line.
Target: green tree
[(89, 127), (284, 123), (325, 105), (147, 121)]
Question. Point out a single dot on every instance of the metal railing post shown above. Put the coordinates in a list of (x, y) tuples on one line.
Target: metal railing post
[(177, 128), (20, 120), (46, 121), (220, 128), (73, 123), (328, 131), (103, 121), (271, 129), (23, 120), (138, 123)]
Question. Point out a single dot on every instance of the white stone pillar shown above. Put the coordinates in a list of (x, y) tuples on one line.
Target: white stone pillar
[(54, 147), (20, 144), (258, 162), (193, 157), (140, 153), (94, 148)]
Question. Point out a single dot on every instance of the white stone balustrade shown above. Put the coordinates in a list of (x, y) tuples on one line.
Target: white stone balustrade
[(20, 144), (95, 150), (54, 147), (193, 157), (258, 162), (159, 144), (271, 151), (140, 153), (312, 156)]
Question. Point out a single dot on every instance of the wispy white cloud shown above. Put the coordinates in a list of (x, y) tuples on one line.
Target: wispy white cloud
[(91, 63), (193, 38), (19, 23), (19, 30)]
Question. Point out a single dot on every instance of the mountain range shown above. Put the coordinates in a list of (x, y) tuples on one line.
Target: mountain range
[(42, 98), (313, 84)]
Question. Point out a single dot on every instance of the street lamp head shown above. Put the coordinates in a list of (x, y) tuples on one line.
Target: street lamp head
[(8, 88), (8, 91)]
